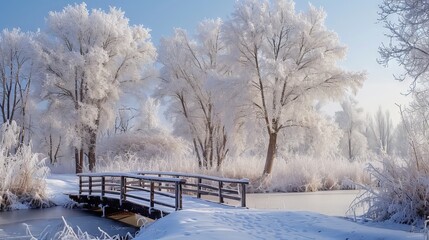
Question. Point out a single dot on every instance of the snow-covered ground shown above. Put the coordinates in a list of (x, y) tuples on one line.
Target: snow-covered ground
[(237, 223), (61, 184), (265, 224)]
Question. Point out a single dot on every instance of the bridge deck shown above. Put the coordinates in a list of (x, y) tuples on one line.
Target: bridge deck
[(155, 194)]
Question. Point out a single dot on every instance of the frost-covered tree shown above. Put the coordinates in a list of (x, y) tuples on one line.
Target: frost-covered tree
[(16, 74), (147, 143), (407, 23), (189, 66), (147, 117), (90, 58), (286, 61), (400, 145), (352, 121), (380, 132), (49, 135), (124, 118)]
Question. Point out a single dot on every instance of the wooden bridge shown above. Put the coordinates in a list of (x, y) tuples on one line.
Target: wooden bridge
[(156, 194)]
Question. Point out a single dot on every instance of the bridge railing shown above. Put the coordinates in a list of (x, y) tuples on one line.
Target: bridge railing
[(124, 185), (202, 185)]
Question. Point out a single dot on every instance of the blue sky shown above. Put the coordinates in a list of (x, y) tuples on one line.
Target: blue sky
[(355, 21)]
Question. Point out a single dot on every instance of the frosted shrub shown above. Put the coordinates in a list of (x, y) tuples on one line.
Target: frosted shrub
[(161, 152), (68, 233), (400, 186), (308, 174), (131, 162), (298, 174), (399, 191), (22, 173), (148, 150), (146, 144)]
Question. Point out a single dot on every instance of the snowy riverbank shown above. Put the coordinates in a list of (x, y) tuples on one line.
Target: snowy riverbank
[(239, 223)]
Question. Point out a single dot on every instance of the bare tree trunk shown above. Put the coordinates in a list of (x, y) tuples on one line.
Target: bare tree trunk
[(350, 146), (271, 154), (78, 155), (197, 152), (93, 142), (91, 149), (50, 151), (57, 150)]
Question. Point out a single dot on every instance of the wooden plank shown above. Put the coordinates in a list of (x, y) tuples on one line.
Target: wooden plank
[(230, 191), (209, 187), (231, 197)]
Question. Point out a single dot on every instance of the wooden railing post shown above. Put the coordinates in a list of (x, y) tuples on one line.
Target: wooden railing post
[(159, 184), (199, 187), (152, 194), (89, 185), (123, 191), (243, 194), (220, 191), (80, 184), (103, 187), (178, 196)]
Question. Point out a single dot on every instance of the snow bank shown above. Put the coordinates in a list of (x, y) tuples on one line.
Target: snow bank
[(256, 224), (58, 185)]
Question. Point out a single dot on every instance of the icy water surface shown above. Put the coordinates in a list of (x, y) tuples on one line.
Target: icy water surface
[(47, 222), (331, 203)]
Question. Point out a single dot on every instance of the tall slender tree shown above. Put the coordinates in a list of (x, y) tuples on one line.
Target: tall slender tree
[(189, 65), (352, 121), (380, 132), (16, 74)]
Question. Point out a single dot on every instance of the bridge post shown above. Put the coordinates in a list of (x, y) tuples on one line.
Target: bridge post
[(89, 185), (103, 187), (243, 194), (220, 192), (152, 194), (199, 187), (122, 197), (178, 196), (80, 185), (159, 184)]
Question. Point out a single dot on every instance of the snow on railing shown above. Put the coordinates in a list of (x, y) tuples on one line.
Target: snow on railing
[(199, 185)]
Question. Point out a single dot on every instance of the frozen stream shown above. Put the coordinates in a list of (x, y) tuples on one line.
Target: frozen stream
[(13, 223), (331, 203), (47, 222)]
